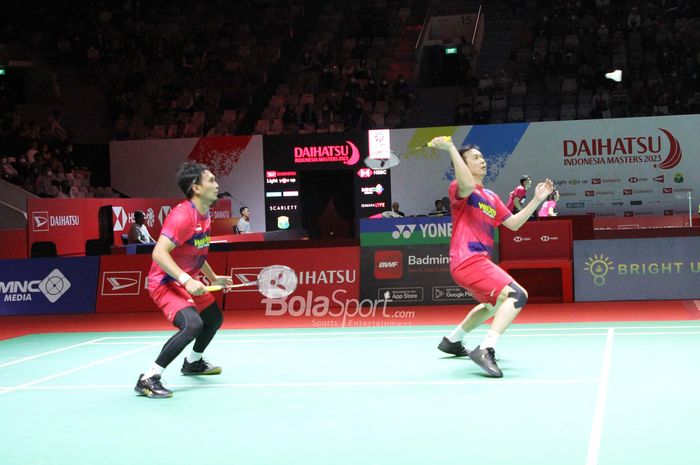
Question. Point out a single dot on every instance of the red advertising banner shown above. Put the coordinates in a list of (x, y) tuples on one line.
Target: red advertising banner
[(328, 278), (70, 222), (122, 285), (537, 240)]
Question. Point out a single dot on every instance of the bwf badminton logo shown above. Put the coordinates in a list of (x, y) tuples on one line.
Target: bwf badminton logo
[(52, 286), (599, 266)]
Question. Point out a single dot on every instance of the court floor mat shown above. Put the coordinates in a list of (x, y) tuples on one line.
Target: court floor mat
[(575, 393)]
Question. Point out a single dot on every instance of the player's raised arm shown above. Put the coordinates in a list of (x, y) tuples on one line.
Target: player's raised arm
[(465, 180), (542, 190)]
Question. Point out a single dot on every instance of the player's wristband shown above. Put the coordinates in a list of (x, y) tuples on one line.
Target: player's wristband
[(183, 278)]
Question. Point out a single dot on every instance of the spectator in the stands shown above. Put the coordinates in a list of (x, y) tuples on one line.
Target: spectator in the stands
[(138, 233), (43, 182)]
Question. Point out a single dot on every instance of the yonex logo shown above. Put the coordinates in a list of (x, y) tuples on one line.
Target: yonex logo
[(40, 221), (403, 230), (120, 218)]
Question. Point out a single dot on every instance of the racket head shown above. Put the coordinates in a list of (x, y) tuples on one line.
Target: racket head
[(277, 281)]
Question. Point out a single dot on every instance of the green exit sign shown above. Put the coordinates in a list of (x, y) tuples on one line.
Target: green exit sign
[(2, 71), (451, 51)]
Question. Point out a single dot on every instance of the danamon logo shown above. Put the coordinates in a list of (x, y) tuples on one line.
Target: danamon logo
[(388, 264)]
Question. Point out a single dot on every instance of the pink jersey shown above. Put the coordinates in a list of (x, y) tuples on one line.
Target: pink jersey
[(473, 221), (190, 231), (544, 211), (518, 192)]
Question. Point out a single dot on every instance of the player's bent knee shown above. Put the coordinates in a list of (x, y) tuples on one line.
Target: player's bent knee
[(518, 294)]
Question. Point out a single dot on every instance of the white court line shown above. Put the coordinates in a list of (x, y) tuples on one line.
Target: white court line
[(597, 427), (5, 390), (222, 340), (321, 384), (51, 352), (356, 333), (225, 340)]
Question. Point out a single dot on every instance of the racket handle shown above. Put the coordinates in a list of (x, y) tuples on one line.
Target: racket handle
[(214, 288)]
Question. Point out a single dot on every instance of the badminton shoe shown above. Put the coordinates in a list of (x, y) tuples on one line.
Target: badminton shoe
[(200, 367), (455, 348), (152, 387), (486, 359)]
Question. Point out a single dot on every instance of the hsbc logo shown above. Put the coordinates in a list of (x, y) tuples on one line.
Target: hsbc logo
[(519, 239), (548, 238), (121, 219), (388, 264), (121, 283), (40, 221), (364, 173), (163, 213), (403, 230)]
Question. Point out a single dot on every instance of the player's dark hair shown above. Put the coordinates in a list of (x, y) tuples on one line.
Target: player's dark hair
[(139, 215), (467, 147), (240, 210), (524, 178), (189, 174)]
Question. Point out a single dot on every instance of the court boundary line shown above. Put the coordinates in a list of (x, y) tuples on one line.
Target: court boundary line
[(322, 338), (510, 332), (322, 384), (5, 390), (599, 415), (51, 352)]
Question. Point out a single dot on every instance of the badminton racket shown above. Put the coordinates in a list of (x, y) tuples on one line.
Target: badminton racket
[(274, 282)]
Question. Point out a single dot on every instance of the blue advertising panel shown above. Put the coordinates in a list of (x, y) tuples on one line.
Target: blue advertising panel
[(48, 285), (637, 269), (407, 261)]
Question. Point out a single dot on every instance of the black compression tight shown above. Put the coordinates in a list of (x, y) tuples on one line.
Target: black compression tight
[(200, 327)]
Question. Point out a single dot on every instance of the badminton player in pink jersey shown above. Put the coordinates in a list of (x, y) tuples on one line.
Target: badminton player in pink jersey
[(476, 212), (174, 281)]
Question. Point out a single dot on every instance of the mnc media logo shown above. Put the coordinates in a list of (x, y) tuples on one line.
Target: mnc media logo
[(52, 286)]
